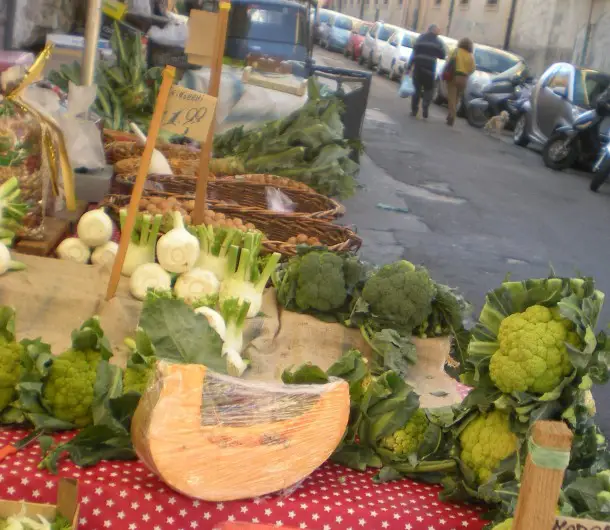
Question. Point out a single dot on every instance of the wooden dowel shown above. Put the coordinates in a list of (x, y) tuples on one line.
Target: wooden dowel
[(542, 481), (201, 189), (155, 125)]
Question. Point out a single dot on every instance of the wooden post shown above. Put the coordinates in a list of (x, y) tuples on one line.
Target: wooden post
[(155, 125), (547, 458), (201, 190)]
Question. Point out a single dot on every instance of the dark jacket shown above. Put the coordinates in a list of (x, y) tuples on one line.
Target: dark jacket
[(428, 48)]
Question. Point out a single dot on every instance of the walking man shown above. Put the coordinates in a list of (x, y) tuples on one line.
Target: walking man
[(428, 48)]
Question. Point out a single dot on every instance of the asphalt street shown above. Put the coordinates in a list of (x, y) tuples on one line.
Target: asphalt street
[(479, 207)]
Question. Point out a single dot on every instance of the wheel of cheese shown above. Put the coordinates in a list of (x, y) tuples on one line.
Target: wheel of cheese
[(219, 438)]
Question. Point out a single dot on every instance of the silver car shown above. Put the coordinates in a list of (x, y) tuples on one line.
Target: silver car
[(489, 62), (562, 93)]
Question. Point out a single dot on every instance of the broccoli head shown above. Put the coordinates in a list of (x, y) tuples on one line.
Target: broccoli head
[(486, 441), (68, 392), (137, 378), (321, 282), (10, 370), (532, 355), (406, 441), (401, 294)]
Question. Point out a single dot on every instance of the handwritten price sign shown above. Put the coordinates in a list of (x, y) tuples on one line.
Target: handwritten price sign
[(189, 113)]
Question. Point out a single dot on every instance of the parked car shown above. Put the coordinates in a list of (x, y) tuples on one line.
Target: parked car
[(489, 62), (562, 94), (396, 55), (356, 39), (322, 17), (375, 41), (336, 31)]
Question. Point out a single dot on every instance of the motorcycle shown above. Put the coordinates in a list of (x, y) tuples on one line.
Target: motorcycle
[(582, 141), (516, 106), (501, 94)]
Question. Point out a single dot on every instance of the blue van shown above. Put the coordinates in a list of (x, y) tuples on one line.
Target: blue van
[(274, 28)]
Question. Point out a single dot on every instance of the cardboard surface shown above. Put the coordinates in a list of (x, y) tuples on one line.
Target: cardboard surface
[(54, 297), (189, 113), (202, 36), (67, 504)]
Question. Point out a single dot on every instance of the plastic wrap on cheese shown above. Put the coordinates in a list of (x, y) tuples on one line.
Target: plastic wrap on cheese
[(219, 438)]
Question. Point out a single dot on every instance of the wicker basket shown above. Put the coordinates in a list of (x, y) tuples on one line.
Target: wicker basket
[(185, 184), (278, 228), (117, 151), (238, 197), (128, 168)]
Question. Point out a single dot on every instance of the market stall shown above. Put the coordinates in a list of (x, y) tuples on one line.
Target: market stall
[(202, 344)]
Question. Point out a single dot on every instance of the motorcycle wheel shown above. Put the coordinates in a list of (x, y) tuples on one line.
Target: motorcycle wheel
[(598, 179), (361, 59), (438, 97), (476, 117), (520, 133), (556, 155)]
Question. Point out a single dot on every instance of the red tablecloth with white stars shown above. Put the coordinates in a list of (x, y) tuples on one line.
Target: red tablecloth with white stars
[(127, 496)]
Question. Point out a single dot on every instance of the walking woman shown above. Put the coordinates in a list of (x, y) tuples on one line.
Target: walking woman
[(460, 67)]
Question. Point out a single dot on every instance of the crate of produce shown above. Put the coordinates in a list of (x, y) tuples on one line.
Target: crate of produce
[(122, 150), (283, 232), (241, 196)]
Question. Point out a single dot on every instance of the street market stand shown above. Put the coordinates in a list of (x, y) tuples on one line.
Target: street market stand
[(127, 496)]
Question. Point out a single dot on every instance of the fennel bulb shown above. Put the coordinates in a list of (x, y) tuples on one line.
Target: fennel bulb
[(214, 319), (178, 250), (105, 254), (141, 249), (214, 244), (73, 249), (234, 314), (6, 262), (196, 284), (94, 228), (244, 281), (149, 276), (158, 163)]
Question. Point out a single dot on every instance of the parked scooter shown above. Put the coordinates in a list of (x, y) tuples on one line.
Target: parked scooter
[(582, 141), (516, 106), (496, 97)]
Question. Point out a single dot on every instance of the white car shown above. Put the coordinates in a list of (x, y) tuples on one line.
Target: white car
[(395, 57), (375, 42)]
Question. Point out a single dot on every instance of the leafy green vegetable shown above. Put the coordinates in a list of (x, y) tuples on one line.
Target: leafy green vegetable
[(308, 146), (179, 334)]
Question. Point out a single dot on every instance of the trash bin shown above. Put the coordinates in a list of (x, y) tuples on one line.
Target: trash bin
[(352, 87)]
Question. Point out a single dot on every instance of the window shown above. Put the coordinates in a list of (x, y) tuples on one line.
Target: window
[(437, 3), (464, 2), (363, 30), (384, 33), (343, 23), (492, 61), (492, 3), (561, 79), (588, 86), (407, 41)]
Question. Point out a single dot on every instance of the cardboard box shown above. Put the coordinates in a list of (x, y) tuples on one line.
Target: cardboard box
[(67, 504)]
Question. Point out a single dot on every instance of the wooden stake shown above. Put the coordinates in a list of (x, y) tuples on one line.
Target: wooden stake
[(201, 190), (155, 125), (540, 486)]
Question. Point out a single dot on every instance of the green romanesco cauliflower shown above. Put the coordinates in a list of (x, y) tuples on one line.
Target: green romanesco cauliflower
[(407, 440), (321, 282), (10, 370), (137, 378), (401, 294), (68, 392), (532, 355), (486, 441), (504, 525)]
